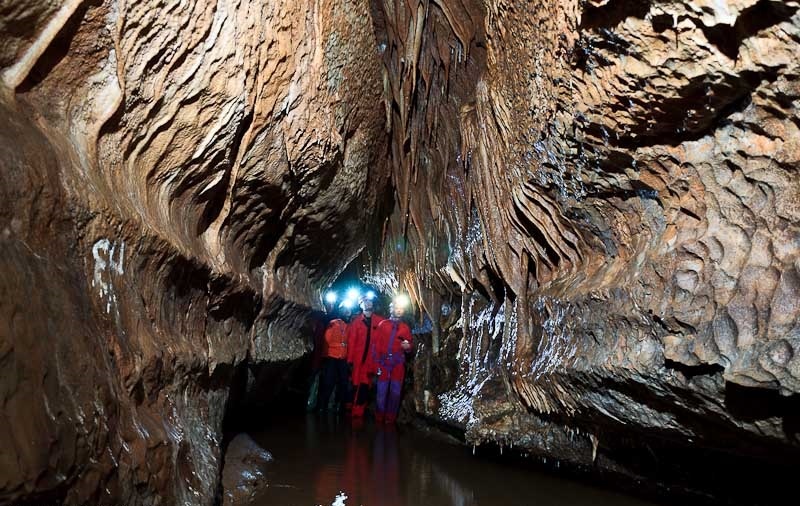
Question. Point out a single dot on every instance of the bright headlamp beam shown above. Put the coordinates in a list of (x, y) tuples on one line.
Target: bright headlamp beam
[(330, 297), (401, 300), (352, 294)]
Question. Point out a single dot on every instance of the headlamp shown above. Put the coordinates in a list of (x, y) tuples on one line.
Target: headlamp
[(401, 300), (330, 297)]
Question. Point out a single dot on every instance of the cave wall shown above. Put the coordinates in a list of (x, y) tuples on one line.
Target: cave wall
[(179, 180), (602, 192), (608, 190)]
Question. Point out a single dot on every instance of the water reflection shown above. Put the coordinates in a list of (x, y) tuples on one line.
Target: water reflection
[(320, 458), (385, 470), (368, 471)]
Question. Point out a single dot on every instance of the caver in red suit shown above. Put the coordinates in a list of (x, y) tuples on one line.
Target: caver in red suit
[(360, 334), (388, 355)]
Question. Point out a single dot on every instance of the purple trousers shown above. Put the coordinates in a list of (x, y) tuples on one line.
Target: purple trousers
[(388, 397)]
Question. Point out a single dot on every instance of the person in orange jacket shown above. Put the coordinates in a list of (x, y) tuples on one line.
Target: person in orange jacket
[(334, 363), (388, 356), (360, 333)]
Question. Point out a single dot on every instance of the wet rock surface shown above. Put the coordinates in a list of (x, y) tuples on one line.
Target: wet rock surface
[(178, 181), (244, 471), (596, 202)]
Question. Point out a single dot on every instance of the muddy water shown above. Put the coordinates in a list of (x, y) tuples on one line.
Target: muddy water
[(319, 461)]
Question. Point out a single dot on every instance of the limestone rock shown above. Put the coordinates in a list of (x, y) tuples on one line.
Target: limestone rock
[(179, 182), (603, 193), (244, 471), (609, 190)]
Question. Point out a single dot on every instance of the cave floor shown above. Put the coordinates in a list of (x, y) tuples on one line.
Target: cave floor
[(319, 460)]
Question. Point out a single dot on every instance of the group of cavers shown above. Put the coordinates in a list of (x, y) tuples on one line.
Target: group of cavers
[(359, 352)]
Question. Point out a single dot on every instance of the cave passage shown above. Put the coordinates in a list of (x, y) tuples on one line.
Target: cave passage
[(593, 207), (351, 338)]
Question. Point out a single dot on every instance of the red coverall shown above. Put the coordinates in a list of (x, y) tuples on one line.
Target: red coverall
[(359, 339), (388, 361)]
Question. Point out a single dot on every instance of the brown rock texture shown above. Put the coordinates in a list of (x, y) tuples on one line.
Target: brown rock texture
[(596, 201), (244, 471), (179, 180), (608, 191)]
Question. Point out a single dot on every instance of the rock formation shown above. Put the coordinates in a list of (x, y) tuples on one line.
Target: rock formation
[(608, 190), (596, 201), (244, 470), (178, 180)]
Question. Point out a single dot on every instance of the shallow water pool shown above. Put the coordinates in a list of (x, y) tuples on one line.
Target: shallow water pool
[(328, 460)]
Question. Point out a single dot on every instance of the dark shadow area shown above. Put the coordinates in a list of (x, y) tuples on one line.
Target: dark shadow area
[(259, 392), (752, 404), (693, 474), (662, 22), (691, 371), (613, 13), (751, 20), (717, 466)]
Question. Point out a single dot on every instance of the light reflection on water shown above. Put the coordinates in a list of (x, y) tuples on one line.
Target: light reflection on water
[(324, 461)]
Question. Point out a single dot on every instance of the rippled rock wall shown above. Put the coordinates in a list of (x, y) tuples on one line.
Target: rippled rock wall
[(596, 201), (608, 191), (179, 179)]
